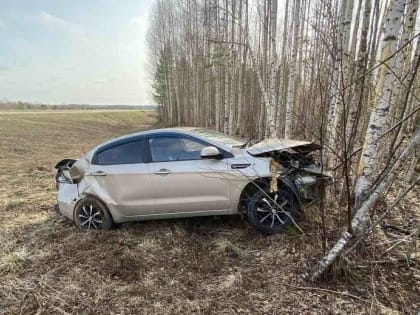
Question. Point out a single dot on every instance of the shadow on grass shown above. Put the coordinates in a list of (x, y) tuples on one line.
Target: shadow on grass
[(204, 226), (129, 251)]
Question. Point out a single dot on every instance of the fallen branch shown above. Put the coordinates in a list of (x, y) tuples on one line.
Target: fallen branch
[(409, 257), (328, 291), (399, 242), (385, 226)]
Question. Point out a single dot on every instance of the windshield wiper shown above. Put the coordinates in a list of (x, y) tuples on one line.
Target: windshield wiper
[(246, 143)]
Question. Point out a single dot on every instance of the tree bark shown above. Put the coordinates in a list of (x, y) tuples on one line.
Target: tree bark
[(292, 72), (272, 109), (378, 117)]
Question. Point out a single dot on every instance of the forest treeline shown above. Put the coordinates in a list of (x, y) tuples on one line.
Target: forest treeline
[(341, 73)]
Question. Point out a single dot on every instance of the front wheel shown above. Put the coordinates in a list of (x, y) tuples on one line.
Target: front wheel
[(272, 213), (90, 213)]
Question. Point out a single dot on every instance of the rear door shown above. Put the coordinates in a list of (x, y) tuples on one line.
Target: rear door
[(121, 178), (182, 181)]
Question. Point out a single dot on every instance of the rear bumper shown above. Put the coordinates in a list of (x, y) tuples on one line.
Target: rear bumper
[(67, 197)]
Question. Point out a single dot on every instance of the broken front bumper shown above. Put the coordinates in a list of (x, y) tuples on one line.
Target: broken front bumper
[(309, 186)]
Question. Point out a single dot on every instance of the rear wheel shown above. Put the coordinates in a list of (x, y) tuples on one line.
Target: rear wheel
[(90, 213), (272, 213)]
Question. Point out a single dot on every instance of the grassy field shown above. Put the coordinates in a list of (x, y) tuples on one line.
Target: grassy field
[(201, 266)]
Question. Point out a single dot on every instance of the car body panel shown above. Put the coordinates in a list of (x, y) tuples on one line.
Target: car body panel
[(125, 188), (67, 198), (191, 186)]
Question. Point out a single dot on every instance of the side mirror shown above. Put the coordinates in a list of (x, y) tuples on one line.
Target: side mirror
[(210, 153)]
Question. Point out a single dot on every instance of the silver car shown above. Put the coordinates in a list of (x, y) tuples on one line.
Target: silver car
[(189, 172)]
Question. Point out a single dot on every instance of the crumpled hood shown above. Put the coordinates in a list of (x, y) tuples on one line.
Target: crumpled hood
[(275, 144)]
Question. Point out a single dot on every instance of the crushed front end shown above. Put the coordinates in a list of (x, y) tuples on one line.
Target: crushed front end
[(294, 164)]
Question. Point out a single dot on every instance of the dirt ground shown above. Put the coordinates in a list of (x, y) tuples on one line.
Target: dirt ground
[(201, 266)]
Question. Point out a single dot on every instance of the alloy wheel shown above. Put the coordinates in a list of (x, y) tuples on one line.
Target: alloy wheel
[(273, 210), (90, 217)]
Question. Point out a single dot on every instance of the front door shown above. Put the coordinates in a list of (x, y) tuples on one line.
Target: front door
[(182, 181)]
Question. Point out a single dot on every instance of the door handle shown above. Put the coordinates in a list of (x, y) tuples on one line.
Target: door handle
[(163, 171), (97, 173)]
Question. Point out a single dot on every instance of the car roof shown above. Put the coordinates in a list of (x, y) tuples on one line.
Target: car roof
[(197, 132), (182, 130)]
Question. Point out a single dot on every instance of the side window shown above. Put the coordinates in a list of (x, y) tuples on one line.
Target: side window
[(164, 149), (192, 146), (126, 153)]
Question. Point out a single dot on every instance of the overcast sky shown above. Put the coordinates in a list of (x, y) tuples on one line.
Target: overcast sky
[(74, 51)]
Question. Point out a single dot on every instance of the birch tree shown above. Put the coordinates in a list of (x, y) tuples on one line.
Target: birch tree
[(292, 72), (378, 117), (272, 109), (340, 50)]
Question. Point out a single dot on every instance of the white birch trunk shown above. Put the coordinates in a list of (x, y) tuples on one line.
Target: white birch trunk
[(283, 81), (402, 59), (292, 73), (334, 109), (218, 97), (226, 56), (231, 97), (177, 96), (257, 71), (264, 57), (169, 94), (232, 73), (361, 215), (359, 90), (346, 59), (271, 110), (411, 9), (378, 117), (353, 42), (240, 81), (403, 101), (226, 98)]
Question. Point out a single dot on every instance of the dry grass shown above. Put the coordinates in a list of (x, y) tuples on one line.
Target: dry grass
[(201, 266)]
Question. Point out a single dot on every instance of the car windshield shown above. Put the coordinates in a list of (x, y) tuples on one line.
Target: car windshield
[(220, 137)]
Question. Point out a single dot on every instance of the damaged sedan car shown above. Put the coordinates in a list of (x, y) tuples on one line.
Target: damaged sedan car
[(189, 172)]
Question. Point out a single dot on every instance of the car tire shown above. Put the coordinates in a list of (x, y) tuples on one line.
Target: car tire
[(270, 217), (90, 213)]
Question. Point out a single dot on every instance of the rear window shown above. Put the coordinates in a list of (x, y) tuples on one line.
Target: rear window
[(126, 153)]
